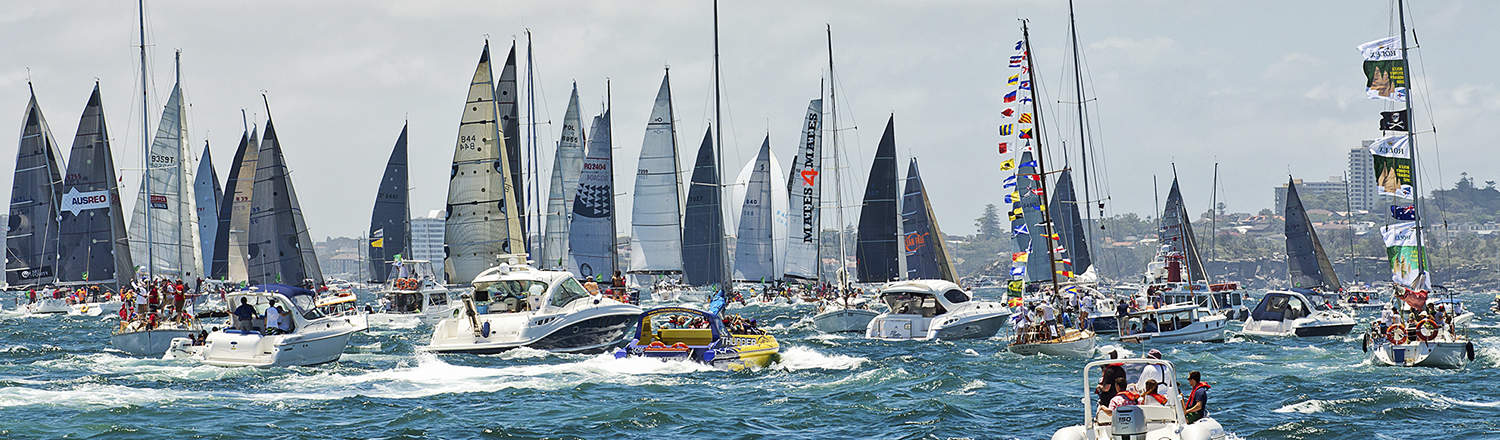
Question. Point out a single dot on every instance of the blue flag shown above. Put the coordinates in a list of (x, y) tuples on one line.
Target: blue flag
[(1010, 181), (1021, 230), (1408, 212), (1018, 271), (1029, 163)]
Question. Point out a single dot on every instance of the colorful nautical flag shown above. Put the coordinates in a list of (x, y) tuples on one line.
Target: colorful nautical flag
[(1026, 133), (1408, 212), (1029, 163), (1025, 118), (1013, 197), (1038, 191), (1018, 271), (1021, 230), (1025, 85), (1010, 97), (1007, 129), (1020, 44), (1054, 237), (1016, 286), (1385, 71), (1394, 121), (1067, 261), (1025, 99), (1015, 214), (1013, 79), (1033, 177), (1004, 148), (1066, 273), (1018, 257), (379, 242), (1010, 182), (1015, 60), (1008, 112), (1007, 165)]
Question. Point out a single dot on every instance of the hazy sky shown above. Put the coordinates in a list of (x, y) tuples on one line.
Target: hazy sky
[(1264, 89)]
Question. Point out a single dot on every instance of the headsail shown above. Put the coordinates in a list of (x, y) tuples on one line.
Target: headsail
[(591, 236), (481, 223), (207, 195), (232, 251), (703, 222), (510, 129), (805, 191), (926, 254), (754, 250), (390, 220), (1306, 263), (566, 166), (1075, 258), (172, 244), (875, 252), (656, 214), (1176, 234), (277, 239), (31, 240), (93, 247), (1028, 213)]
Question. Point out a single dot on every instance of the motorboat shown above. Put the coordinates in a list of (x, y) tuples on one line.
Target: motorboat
[(514, 305), (313, 338), (1455, 309), (138, 339), (1184, 322), (47, 306), (934, 309), (835, 316), (412, 292), (1292, 313), (1137, 422), (1073, 343), (1169, 281), (689, 334)]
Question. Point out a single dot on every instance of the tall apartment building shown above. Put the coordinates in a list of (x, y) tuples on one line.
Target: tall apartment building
[(1362, 193), (427, 240)]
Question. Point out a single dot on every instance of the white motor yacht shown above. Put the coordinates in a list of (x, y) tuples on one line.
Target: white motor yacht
[(412, 292), (1137, 422), (47, 306), (1290, 313), (312, 338), (514, 305), (934, 309), (1185, 322)]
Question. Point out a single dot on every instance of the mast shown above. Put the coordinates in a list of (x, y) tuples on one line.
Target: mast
[(1213, 217), (1041, 164), (146, 149), (531, 146), (1083, 150), (1411, 152), (609, 131), (838, 187), (1349, 209), (727, 272)]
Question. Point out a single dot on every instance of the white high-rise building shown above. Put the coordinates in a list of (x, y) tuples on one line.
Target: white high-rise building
[(1363, 195), (427, 240)]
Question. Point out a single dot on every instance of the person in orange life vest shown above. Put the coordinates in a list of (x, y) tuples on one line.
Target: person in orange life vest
[(1151, 396), (1197, 399), (1130, 396)]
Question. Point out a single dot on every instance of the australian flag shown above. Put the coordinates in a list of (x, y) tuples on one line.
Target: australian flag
[(1408, 212)]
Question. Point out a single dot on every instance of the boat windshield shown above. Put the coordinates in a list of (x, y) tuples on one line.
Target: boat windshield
[(506, 296), (567, 291), (1279, 307), (910, 303)]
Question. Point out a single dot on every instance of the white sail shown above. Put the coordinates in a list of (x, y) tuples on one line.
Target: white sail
[(173, 238), (755, 250), (243, 182), (656, 214), (566, 167), (480, 226), (804, 194)]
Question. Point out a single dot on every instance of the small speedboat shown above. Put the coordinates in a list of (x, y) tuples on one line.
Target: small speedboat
[(1291, 313), (1185, 322), (514, 305), (313, 338), (934, 309), (683, 333), (1137, 422), (412, 292), (836, 316), (1072, 343), (47, 306)]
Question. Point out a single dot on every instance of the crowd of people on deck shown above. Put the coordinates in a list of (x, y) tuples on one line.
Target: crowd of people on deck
[(1049, 319), (1418, 321), (1150, 388), (733, 324), (150, 303)]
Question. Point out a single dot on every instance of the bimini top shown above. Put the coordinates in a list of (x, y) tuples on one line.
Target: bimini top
[(947, 293), (507, 271)]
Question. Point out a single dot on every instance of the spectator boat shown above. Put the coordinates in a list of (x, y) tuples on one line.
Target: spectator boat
[(313, 338), (683, 333), (1291, 313), (1154, 422), (412, 292), (1185, 322), (514, 305), (934, 309)]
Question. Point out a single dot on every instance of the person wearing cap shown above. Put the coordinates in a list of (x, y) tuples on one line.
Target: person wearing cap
[(1154, 373)]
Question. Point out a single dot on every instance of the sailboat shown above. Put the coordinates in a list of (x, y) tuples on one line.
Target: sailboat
[(93, 247), (804, 248), (656, 215), (754, 250), (207, 195), (1302, 310), (567, 164), (165, 238), (390, 219), (510, 128), (591, 233), (877, 249), (1418, 333), (482, 223), (703, 221), (926, 253), (36, 190), (277, 238), (1077, 261), (232, 248), (1177, 273)]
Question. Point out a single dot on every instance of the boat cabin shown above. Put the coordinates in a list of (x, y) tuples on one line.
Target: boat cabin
[(1165, 319), (1279, 306), (513, 289), (298, 304), (927, 298), (412, 287)]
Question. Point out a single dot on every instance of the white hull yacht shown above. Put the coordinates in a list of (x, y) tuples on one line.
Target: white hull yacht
[(518, 306), (1186, 322), (412, 294), (312, 338), (934, 309), (1290, 313)]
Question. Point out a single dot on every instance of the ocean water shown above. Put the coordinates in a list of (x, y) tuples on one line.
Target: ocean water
[(58, 379)]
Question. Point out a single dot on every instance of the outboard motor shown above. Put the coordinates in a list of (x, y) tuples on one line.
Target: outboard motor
[(1128, 423)]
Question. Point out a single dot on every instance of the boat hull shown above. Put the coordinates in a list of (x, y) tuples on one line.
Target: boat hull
[(1207, 331), (95, 308), (1205, 429), (1077, 347), (1323, 330), (843, 320), (594, 330), (1447, 354), (148, 342), (48, 306)]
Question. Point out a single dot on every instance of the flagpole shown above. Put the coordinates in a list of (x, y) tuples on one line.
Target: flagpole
[(1040, 163), (1411, 148)]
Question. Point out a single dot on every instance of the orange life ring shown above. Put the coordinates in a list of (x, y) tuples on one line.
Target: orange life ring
[(679, 345), (657, 344), (1425, 325), (1395, 332)]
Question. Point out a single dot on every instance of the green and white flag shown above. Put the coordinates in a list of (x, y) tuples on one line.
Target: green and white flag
[(1392, 156), (1402, 248), (1385, 71)]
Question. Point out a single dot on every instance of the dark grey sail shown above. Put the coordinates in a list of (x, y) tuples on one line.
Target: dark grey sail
[(93, 247), (1177, 233), (1069, 226), (275, 245), (207, 195), (703, 220), (875, 251), (31, 237), (390, 224), (926, 255), (1307, 266), (230, 249), (510, 127)]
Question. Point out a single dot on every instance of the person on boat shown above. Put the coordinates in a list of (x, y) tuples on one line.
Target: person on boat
[(273, 319), (178, 298), (1197, 399), (1107, 389), (1153, 373), (244, 315), (591, 286), (1131, 395), (1150, 396)]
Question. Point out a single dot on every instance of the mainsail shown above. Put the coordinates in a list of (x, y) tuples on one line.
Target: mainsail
[(510, 129), (591, 236), (207, 194), (31, 240), (93, 247), (481, 223), (703, 222), (805, 191), (1075, 257), (926, 255), (754, 250), (656, 215), (1176, 234), (1307, 265), (232, 250), (279, 244), (390, 220), (566, 166), (875, 251), (171, 239)]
